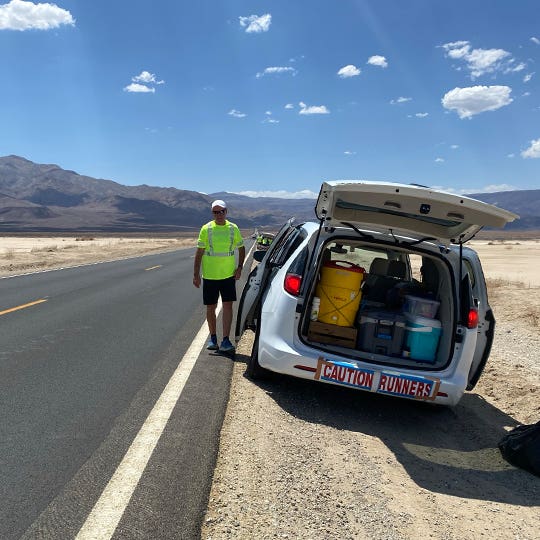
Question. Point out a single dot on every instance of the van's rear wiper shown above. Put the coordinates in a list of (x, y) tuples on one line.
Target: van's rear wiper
[(419, 241), (362, 234)]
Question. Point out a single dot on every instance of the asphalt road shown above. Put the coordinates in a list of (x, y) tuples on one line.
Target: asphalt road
[(82, 362)]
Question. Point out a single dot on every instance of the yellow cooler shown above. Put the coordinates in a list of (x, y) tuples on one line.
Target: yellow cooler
[(339, 291)]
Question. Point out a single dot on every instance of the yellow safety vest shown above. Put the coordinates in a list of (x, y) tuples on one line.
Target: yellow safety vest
[(219, 243)]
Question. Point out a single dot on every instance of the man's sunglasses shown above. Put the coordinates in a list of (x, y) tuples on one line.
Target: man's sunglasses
[(217, 212)]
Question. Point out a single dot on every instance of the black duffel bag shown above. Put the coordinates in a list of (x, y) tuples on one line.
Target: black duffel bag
[(521, 447)]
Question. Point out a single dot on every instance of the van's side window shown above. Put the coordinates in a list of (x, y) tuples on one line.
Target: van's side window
[(470, 271), (289, 243)]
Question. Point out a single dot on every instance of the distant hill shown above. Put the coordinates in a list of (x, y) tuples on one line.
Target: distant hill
[(525, 203), (46, 198), (37, 197)]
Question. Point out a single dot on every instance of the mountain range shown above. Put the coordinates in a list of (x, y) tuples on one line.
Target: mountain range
[(46, 198)]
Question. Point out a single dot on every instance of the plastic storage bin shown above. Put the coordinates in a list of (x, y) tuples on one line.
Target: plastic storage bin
[(381, 332), (422, 337), (339, 291), (421, 307)]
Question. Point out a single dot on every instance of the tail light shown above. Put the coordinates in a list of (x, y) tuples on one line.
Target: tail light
[(292, 284), (472, 318)]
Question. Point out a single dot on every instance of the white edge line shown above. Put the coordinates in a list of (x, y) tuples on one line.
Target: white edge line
[(104, 517), (108, 510)]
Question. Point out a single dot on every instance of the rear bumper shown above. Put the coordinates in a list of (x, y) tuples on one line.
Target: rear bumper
[(306, 363)]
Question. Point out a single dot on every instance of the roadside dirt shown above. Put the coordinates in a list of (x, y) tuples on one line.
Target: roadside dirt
[(19, 254), (304, 460)]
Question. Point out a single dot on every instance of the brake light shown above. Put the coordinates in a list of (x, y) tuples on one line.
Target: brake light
[(292, 283), (472, 318)]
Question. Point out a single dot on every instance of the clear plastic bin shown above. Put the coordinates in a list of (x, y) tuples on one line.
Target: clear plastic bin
[(420, 307)]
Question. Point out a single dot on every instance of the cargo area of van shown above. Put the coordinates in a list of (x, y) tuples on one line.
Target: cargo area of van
[(388, 305)]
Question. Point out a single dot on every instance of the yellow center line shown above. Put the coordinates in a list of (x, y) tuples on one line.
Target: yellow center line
[(16, 308), (153, 267)]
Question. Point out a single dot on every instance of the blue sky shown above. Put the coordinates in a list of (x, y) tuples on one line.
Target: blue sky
[(273, 97)]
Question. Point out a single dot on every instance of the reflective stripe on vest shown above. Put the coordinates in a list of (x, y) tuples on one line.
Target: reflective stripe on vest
[(211, 252)]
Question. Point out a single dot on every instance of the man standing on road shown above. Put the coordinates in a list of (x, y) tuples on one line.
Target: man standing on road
[(217, 242)]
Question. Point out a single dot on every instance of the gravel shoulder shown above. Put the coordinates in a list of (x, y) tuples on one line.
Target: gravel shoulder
[(300, 459)]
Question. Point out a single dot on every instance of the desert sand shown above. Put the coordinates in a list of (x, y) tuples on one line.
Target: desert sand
[(21, 254)]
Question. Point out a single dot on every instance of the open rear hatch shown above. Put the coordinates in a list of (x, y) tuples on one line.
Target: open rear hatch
[(408, 210), (399, 319)]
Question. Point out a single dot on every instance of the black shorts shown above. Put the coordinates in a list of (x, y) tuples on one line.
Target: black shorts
[(212, 288)]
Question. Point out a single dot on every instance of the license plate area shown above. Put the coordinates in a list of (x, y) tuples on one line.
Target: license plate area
[(381, 382)]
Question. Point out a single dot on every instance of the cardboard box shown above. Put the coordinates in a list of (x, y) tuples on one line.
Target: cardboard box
[(333, 334)]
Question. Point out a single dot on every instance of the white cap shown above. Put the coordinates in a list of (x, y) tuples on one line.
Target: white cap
[(219, 202)]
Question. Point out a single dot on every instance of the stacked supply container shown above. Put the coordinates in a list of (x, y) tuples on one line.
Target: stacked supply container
[(339, 292), (422, 337), (423, 307), (423, 331), (381, 332)]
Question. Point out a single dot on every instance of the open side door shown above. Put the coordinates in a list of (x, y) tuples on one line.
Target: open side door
[(257, 282)]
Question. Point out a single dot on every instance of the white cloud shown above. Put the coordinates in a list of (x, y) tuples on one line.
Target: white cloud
[(276, 70), (377, 60), (280, 194), (528, 77), (493, 188), (289, 106), (140, 88), (511, 155), (533, 151), (313, 109), (255, 24), (349, 153), (269, 119), (21, 15), (535, 40), (146, 78), (481, 61), (439, 160), (454, 146), (476, 99), (421, 114), (400, 100), (515, 69), (349, 71), (294, 59), (236, 114), (143, 83)]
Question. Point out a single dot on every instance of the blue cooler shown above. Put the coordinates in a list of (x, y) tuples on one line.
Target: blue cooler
[(422, 337)]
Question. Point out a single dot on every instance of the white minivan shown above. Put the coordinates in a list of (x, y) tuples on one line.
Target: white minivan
[(379, 294)]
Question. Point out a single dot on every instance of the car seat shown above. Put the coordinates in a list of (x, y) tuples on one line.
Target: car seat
[(377, 282), (430, 276), (397, 269), (378, 266)]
